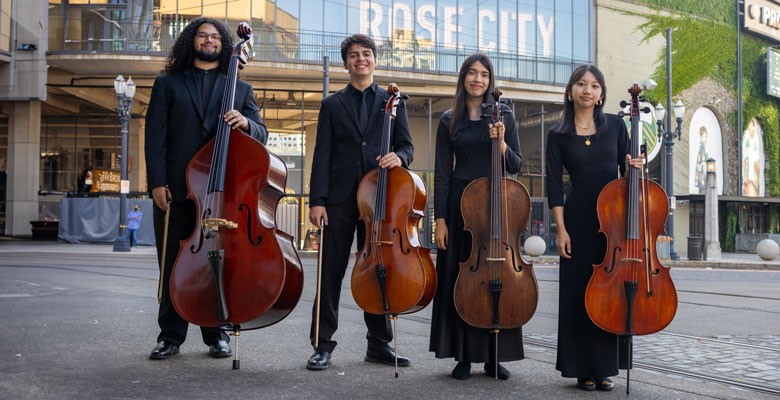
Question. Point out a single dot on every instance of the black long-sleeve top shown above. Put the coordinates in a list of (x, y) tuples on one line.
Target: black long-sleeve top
[(468, 155)]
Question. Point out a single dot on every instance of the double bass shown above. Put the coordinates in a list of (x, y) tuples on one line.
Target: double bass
[(393, 274), (237, 270), (496, 287), (630, 292)]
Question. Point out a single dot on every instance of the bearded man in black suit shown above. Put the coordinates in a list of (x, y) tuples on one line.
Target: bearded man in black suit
[(183, 115), (349, 136)]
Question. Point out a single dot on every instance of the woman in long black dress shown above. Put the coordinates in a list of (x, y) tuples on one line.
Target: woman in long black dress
[(593, 148), (463, 154)]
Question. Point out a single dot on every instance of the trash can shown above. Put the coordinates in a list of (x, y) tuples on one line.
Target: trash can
[(695, 247)]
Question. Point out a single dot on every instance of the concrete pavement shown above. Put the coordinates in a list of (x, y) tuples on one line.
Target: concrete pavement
[(80, 321)]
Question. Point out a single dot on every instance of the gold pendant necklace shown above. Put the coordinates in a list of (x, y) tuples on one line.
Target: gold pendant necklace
[(587, 129)]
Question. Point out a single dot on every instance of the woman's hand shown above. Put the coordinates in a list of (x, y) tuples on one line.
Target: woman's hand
[(635, 162), (564, 244), (442, 235), (497, 132)]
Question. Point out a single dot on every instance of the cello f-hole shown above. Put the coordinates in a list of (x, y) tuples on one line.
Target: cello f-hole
[(612, 264), (404, 250), (253, 242)]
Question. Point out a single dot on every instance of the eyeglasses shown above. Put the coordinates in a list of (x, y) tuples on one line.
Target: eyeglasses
[(203, 35)]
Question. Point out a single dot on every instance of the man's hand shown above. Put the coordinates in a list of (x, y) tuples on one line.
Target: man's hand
[(316, 214), (161, 196), (237, 120), (390, 160)]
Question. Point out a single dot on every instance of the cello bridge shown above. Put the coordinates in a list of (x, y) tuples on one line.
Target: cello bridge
[(382, 242), (213, 224), (636, 260), (500, 259)]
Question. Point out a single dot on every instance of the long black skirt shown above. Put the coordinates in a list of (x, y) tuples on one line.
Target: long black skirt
[(451, 337)]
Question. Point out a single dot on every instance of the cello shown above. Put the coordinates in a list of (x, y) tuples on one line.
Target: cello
[(496, 287), (630, 292), (393, 274), (236, 271)]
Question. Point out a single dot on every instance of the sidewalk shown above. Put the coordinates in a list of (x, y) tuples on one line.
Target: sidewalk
[(747, 261)]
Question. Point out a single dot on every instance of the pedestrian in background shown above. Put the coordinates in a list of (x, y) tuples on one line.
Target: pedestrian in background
[(133, 223)]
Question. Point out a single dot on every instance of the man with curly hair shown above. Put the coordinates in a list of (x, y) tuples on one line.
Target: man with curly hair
[(183, 115)]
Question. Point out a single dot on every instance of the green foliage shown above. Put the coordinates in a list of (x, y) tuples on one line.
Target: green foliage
[(704, 40), (774, 218), (716, 10), (729, 234)]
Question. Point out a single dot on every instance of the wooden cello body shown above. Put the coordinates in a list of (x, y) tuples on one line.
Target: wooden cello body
[(236, 269), (393, 274), (630, 292), (496, 287)]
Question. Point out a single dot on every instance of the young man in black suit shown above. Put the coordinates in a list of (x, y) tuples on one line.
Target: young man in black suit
[(183, 115), (349, 135)]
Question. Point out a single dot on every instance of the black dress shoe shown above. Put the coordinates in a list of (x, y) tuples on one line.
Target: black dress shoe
[(220, 349), (490, 369), (164, 350), (319, 360), (462, 371), (385, 355)]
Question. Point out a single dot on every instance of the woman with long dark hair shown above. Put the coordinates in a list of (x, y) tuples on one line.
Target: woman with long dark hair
[(593, 147), (463, 154)]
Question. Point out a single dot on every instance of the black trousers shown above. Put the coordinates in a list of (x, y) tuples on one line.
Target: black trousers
[(173, 328), (343, 219)]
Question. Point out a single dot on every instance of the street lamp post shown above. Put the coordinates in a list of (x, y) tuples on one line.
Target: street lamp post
[(669, 135), (125, 90), (711, 231)]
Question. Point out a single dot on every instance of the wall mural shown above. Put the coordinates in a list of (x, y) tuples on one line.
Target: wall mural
[(705, 142), (753, 160)]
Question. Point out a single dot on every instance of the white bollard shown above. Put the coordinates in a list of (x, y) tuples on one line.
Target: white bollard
[(767, 249)]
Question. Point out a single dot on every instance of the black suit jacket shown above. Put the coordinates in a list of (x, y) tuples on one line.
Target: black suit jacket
[(178, 125), (343, 154)]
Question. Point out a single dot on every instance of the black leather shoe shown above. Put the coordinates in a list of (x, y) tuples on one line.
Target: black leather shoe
[(319, 360), (385, 355), (164, 350), (220, 349), (490, 369), (462, 371)]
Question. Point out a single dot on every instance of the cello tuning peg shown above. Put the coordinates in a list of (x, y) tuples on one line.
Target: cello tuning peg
[(623, 104), (621, 114), (646, 110)]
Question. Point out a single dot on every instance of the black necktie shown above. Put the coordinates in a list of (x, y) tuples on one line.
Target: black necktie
[(363, 113)]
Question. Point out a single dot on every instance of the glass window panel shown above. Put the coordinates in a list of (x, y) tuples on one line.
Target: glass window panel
[(336, 18), (563, 30), (139, 26), (526, 28), (288, 14), (544, 27), (581, 31), (312, 16)]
